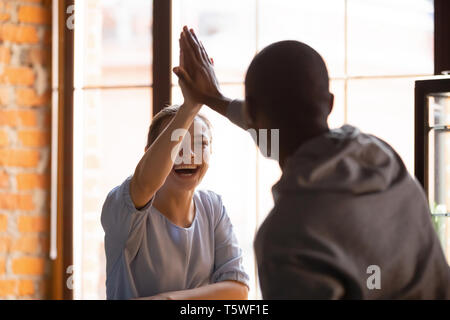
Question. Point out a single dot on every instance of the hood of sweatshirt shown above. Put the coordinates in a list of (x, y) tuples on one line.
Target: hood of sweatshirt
[(342, 160)]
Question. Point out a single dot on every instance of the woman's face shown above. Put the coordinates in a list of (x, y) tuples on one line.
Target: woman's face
[(192, 161)]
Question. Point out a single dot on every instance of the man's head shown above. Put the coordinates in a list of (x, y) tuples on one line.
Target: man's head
[(287, 88)]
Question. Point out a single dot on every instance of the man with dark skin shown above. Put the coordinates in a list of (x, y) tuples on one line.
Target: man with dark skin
[(349, 221)]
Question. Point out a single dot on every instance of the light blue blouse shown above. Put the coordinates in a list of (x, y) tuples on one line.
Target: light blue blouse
[(146, 254)]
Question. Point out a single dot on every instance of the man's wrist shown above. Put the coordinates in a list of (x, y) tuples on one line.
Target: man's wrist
[(218, 103)]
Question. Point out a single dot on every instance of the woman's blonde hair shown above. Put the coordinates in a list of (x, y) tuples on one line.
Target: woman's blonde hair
[(165, 114)]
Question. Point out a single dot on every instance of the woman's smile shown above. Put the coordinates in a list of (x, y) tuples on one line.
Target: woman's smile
[(186, 171)]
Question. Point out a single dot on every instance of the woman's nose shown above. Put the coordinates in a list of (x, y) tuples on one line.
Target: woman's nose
[(180, 153)]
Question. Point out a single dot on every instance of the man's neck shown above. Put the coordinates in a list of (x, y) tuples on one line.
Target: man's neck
[(291, 142)]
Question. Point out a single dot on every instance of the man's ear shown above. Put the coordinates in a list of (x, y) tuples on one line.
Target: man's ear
[(331, 102)]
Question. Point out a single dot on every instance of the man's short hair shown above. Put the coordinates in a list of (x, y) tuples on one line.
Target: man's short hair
[(288, 81)]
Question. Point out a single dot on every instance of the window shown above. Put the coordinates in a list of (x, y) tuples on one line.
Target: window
[(112, 112), (374, 50)]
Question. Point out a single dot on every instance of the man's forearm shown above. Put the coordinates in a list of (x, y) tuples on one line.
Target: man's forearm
[(219, 104), (231, 109)]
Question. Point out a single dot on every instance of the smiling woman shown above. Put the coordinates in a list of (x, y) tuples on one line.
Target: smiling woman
[(163, 238)]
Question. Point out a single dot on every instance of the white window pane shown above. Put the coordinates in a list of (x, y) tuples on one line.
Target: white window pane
[(388, 37), (319, 23), (109, 139), (385, 108), (226, 28), (337, 116), (115, 41)]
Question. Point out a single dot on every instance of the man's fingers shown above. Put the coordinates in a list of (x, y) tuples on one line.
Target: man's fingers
[(202, 49), (200, 46), (192, 43), (181, 55), (188, 54), (205, 54)]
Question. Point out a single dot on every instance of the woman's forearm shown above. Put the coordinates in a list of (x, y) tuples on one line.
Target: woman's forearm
[(224, 290), (157, 162)]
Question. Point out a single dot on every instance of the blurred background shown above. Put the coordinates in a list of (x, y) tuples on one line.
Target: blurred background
[(374, 50)]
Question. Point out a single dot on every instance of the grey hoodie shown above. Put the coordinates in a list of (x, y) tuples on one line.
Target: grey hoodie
[(349, 222)]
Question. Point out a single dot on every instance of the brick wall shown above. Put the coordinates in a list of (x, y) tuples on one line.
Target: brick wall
[(25, 48)]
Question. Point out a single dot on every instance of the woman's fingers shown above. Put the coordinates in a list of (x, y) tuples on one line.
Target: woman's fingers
[(182, 75)]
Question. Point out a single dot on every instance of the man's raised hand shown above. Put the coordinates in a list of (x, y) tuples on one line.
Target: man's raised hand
[(196, 74)]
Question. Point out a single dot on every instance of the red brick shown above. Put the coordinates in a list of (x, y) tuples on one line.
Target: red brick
[(4, 140), (18, 33), (5, 54), (27, 97), (8, 287), (4, 97), (28, 266), (33, 138), (4, 180), (18, 76), (19, 158), (47, 38), (45, 245), (32, 224), (5, 244), (11, 201), (4, 16), (14, 118), (33, 14), (30, 181), (21, 34), (3, 222), (39, 56), (26, 244), (47, 119), (26, 287), (2, 266)]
